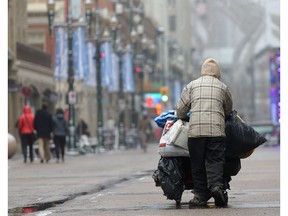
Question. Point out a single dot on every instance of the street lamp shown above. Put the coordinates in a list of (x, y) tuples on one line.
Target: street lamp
[(51, 14), (144, 46), (134, 37), (71, 95), (105, 36), (113, 25), (88, 11), (122, 142), (100, 135), (113, 22), (152, 49), (144, 43), (153, 58)]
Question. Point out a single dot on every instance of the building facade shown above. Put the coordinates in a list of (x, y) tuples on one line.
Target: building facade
[(29, 69), (17, 26), (174, 43), (222, 30)]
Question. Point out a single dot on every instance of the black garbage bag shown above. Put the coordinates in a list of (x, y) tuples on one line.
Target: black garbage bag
[(169, 176), (174, 175), (240, 137), (232, 167)]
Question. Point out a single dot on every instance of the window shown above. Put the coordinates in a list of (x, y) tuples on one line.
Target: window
[(172, 23)]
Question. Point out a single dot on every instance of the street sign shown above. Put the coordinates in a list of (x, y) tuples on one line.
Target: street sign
[(72, 97), (26, 91)]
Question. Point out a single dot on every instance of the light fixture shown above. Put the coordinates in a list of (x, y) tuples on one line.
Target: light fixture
[(113, 22), (144, 43), (133, 35), (51, 14), (88, 10)]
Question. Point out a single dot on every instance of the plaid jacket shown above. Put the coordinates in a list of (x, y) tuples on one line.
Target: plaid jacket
[(209, 101)]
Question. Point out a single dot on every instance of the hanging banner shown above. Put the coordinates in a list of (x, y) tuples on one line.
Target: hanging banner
[(80, 54), (61, 54), (114, 77), (106, 63), (91, 70), (127, 73)]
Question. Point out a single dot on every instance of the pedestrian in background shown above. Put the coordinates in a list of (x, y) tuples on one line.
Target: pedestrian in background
[(82, 128), (26, 131), (43, 125), (60, 131), (82, 134), (145, 130), (209, 101)]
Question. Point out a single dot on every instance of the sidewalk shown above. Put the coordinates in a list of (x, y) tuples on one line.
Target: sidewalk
[(45, 184), (255, 189)]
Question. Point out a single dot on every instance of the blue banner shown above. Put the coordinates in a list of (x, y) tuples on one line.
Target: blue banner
[(114, 78), (91, 74), (61, 54), (127, 73), (80, 54), (106, 63)]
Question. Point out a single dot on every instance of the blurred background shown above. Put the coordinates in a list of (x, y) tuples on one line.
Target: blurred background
[(110, 62)]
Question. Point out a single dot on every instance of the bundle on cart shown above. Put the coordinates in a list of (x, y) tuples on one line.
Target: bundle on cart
[(173, 172)]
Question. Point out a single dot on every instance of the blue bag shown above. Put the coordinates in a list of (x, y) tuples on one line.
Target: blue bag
[(161, 119)]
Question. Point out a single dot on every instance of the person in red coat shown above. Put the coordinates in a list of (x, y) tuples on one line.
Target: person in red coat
[(26, 129)]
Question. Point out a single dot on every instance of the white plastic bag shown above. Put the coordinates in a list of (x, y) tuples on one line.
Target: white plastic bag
[(178, 134), (173, 141)]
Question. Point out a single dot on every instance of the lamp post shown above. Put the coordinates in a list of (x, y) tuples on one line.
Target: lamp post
[(113, 25), (152, 53), (100, 135), (144, 46), (71, 95), (122, 142), (51, 14), (134, 38)]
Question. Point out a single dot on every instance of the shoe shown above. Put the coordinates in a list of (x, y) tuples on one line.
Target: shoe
[(41, 161), (197, 202), (25, 160), (220, 196)]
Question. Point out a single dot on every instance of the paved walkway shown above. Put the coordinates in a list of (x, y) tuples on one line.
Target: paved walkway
[(33, 183), (53, 183)]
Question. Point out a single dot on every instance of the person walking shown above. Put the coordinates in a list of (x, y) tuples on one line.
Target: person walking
[(210, 102), (60, 131), (145, 131), (26, 131), (82, 135), (43, 125), (81, 129)]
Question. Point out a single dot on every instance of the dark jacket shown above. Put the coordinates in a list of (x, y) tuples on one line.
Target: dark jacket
[(60, 125), (43, 123), (82, 128)]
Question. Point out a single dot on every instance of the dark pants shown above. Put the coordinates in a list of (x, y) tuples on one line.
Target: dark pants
[(27, 141), (60, 142), (207, 157)]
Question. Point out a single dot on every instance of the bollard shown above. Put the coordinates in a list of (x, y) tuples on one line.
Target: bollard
[(12, 146)]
